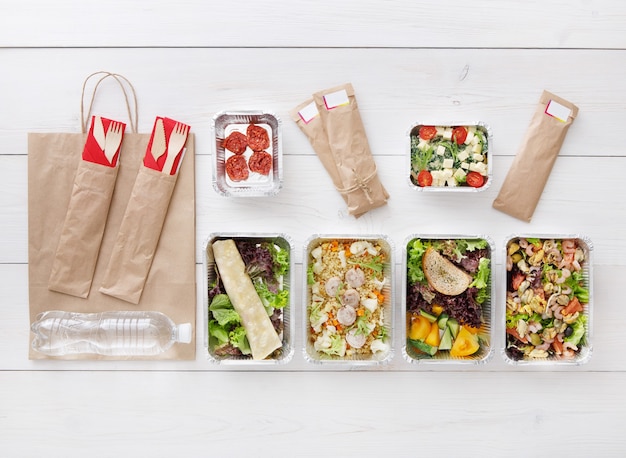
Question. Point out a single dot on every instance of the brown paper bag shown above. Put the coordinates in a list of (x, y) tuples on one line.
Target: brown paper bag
[(340, 142), (53, 159), (535, 158)]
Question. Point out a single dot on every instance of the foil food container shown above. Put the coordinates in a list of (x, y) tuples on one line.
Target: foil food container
[(319, 304), (544, 313), (282, 355), (256, 184), (413, 350), (464, 159)]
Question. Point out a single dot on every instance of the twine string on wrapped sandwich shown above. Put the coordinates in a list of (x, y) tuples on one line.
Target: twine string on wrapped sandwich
[(362, 184)]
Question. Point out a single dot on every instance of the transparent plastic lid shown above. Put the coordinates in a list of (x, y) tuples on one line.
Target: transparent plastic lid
[(184, 333)]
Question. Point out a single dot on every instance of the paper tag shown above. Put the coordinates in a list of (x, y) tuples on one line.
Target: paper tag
[(336, 99), (309, 112), (558, 111)]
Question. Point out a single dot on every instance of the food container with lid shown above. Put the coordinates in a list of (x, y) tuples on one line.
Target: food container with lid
[(449, 157), (447, 294), (348, 299), (247, 163), (548, 296), (221, 352)]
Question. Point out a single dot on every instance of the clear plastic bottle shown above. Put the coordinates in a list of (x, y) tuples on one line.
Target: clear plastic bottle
[(125, 333)]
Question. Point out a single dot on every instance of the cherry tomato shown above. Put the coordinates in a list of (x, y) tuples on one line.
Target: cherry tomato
[(459, 134), (475, 179), (424, 178), (428, 132)]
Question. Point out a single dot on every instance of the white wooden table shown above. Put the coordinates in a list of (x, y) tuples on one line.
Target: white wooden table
[(408, 61)]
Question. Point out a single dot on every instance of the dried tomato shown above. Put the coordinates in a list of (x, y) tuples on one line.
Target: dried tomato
[(258, 138), (237, 168), (260, 162), (236, 142)]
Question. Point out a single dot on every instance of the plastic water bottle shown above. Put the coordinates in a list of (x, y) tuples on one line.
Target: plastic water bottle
[(126, 333)]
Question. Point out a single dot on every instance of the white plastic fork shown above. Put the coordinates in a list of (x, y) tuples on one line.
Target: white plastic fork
[(113, 140), (178, 137)]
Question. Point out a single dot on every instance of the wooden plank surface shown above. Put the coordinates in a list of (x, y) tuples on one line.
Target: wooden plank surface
[(352, 23), (410, 62)]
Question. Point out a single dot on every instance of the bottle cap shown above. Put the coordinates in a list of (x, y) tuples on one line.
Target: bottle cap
[(184, 333)]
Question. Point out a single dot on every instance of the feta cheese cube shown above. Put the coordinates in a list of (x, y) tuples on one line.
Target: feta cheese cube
[(446, 173), (459, 174), (470, 137), (440, 131), (477, 148), (441, 150), (464, 165), (479, 167), (463, 155), (447, 133), (477, 157), (475, 140), (451, 182), (448, 163), (422, 145)]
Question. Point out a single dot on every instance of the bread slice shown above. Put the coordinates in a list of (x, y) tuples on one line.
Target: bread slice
[(443, 275)]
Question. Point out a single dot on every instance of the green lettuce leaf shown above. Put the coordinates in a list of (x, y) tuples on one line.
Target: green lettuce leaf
[(226, 316), (579, 331), (220, 301), (482, 276), (415, 252), (218, 332), (239, 340)]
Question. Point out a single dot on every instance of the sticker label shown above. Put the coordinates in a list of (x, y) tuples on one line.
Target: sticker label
[(336, 99), (309, 112), (558, 111)]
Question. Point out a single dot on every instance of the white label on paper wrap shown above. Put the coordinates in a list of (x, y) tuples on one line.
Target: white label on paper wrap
[(336, 99), (309, 112), (558, 111)]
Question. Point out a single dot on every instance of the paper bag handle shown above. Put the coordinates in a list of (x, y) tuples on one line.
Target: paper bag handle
[(118, 78)]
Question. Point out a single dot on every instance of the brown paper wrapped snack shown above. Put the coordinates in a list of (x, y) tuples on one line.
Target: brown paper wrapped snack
[(345, 153), (533, 162)]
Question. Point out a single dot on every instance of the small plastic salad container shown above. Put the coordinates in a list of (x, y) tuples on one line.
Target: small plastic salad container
[(448, 289), (348, 300), (548, 300), (247, 147), (449, 157), (258, 251)]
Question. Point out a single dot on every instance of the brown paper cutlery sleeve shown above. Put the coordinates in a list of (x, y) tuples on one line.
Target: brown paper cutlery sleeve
[(138, 235), (528, 175), (79, 244)]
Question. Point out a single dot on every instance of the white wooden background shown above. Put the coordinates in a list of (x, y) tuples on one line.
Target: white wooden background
[(408, 61)]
